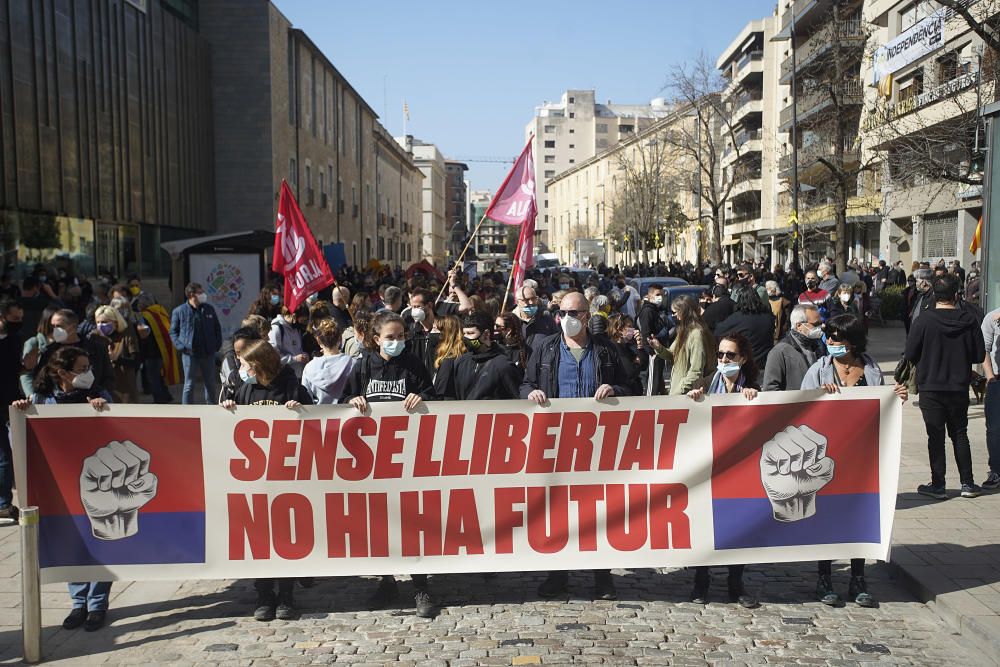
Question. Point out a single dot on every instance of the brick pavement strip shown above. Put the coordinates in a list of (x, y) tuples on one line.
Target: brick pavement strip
[(944, 551)]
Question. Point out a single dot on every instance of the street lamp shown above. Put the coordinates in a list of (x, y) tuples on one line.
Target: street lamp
[(795, 140)]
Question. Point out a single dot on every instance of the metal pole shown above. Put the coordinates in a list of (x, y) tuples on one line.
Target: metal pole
[(795, 153), (31, 594)]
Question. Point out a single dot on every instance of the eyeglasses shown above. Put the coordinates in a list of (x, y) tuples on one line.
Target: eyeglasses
[(729, 356), (571, 313)]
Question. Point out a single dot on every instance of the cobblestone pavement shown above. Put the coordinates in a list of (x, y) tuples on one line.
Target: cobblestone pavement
[(500, 621)]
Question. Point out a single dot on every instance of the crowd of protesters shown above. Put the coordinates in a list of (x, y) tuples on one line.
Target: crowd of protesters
[(384, 335)]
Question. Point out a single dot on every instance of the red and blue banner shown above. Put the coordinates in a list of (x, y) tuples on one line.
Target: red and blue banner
[(180, 492)]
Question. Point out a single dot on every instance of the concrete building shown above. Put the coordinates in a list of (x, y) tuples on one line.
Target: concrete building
[(434, 227), (750, 67), (933, 99), (492, 248), (105, 134), (574, 130), (398, 183), (583, 200), (284, 111)]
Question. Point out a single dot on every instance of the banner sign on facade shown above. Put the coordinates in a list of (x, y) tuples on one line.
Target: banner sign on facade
[(182, 492), (232, 282), (926, 36)]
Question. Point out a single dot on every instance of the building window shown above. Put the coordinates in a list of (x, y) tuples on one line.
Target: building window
[(572, 161), (939, 237), (549, 143), (549, 129), (602, 128), (550, 173), (550, 159), (572, 131), (911, 87), (292, 77), (572, 145), (625, 129), (913, 13), (572, 100), (572, 115)]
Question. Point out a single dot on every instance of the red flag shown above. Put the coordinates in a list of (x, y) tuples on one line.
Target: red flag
[(514, 203), (524, 256), (296, 255)]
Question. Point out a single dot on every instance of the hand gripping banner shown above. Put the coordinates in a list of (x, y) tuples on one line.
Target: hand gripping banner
[(172, 492)]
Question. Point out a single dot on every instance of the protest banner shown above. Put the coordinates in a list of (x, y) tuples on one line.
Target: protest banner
[(182, 492)]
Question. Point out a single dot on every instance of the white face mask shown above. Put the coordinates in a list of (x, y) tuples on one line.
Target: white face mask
[(656, 300), (59, 335), (571, 326), (845, 298), (418, 314), (815, 333), (84, 380), (202, 297)]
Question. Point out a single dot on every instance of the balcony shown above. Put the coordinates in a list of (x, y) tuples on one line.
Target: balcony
[(849, 32), (808, 155), (747, 103), (811, 102), (749, 141), (750, 183), (751, 62), (950, 88)]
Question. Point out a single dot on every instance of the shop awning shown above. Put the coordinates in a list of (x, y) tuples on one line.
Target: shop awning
[(259, 239)]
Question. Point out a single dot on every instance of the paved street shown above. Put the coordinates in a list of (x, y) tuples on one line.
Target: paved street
[(500, 621)]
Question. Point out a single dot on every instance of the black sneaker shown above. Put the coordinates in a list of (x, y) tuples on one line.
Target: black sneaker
[(8, 513), (739, 595), (971, 491), (931, 491), (554, 585), (95, 620), (825, 592), (285, 611), (699, 594), (858, 591), (265, 606), (425, 604), (604, 586), (387, 591), (75, 618), (992, 481)]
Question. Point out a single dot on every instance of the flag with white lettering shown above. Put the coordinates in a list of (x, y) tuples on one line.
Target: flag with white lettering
[(296, 255), (514, 203)]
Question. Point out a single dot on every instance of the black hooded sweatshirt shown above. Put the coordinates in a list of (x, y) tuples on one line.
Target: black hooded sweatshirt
[(485, 375), (379, 380), (285, 387), (944, 343)]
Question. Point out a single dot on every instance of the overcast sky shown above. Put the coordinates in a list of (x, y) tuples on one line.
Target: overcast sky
[(473, 72)]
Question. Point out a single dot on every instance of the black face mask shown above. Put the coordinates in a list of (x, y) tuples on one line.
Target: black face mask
[(472, 344), (812, 284)]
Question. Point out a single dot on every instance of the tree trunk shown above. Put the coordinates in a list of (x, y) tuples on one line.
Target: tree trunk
[(716, 235), (840, 227)]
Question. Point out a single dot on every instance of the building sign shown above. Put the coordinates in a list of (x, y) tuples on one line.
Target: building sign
[(923, 38)]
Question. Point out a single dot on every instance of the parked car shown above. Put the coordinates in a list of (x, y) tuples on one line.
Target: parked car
[(642, 284)]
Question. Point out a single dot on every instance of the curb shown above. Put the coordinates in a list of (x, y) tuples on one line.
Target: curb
[(970, 618)]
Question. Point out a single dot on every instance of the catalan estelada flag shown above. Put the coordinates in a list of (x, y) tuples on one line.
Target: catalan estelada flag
[(977, 238), (158, 319)]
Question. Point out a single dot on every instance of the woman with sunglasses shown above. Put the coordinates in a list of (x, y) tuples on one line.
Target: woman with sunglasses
[(736, 374), (846, 366)]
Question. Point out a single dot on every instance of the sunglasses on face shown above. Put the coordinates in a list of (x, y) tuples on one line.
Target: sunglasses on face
[(571, 313), (729, 356)]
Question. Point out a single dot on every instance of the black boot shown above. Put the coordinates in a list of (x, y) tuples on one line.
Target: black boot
[(858, 591), (825, 592), (702, 579), (604, 586), (738, 594), (387, 591), (425, 604), (286, 606), (266, 603)]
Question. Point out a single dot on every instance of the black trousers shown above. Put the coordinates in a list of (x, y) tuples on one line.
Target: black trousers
[(285, 585), (701, 573), (857, 567), (947, 411)]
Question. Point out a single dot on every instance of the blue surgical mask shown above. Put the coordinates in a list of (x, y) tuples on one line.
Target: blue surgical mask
[(393, 348), (530, 311), (730, 370), (275, 300), (836, 350), (246, 377)]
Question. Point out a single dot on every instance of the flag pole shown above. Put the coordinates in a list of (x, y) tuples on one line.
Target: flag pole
[(462, 254), (510, 279)]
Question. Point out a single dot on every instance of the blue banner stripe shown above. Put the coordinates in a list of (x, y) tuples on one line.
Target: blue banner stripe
[(163, 537), (744, 523)]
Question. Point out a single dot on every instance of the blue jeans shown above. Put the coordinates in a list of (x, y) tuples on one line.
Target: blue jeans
[(991, 405), (205, 364), (153, 369), (92, 595), (6, 468)]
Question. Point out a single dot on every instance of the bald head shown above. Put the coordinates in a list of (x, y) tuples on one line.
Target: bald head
[(574, 301)]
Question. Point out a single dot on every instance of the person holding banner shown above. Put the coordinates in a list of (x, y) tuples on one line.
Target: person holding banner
[(267, 382), (574, 364), (846, 366), (484, 371), (736, 373), (393, 373), (66, 378)]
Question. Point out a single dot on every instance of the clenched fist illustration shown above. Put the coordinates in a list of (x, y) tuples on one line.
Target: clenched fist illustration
[(793, 467), (114, 483)]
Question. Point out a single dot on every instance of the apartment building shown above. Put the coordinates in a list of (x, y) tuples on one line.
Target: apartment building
[(492, 247), (434, 229), (923, 125), (584, 198), (457, 194), (750, 67), (575, 129)]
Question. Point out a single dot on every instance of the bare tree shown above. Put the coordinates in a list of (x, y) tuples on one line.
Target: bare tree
[(700, 92), (982, 16)]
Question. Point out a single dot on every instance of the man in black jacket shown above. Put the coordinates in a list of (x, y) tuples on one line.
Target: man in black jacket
[(944, 343), (484, 372), (535, 322), (719, 308), (423, 340), (650, 322), (574, 364)]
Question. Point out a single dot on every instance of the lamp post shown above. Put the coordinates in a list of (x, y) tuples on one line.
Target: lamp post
[(796, 235)]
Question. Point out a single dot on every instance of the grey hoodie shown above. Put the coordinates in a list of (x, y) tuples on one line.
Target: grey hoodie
[(325, 378)]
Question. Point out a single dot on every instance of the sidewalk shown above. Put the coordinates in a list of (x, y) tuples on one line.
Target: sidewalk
[(947, 552)]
